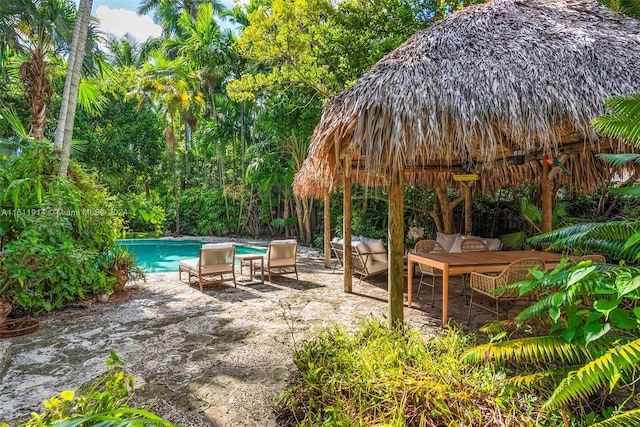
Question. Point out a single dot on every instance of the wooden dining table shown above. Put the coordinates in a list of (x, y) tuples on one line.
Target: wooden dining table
[(453, 264)]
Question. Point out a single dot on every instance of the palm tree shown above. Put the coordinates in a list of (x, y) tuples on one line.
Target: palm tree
[(169, 86), (71, 86), (39, 28), (125, 51), (168, 12)]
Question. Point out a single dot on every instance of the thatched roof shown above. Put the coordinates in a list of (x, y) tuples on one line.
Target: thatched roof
[(462, 94)]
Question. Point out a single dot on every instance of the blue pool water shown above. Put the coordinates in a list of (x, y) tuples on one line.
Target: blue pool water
[(163, 256)]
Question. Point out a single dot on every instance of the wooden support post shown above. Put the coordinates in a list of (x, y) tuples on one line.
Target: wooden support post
[(547, 199), (396, 249), (468, 204), (346, 225), (327, 229)]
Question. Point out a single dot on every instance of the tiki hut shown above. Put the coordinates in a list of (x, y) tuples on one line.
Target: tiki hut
[(463, 95)]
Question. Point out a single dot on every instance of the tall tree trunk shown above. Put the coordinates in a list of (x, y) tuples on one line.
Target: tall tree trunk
[(300, 214), (33, 75), (285, 215), (446, 209), (306, 211), (187, 147), (327, 228), (67, 117), (243, 139), (170, 138)]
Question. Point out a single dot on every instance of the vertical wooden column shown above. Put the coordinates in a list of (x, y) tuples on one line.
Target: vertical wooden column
[(327, 229), (396, 249), (547, 199), (468, 204), (346, 225)]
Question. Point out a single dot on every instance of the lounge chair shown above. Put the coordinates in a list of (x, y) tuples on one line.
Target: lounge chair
[(281, 258), (216, 259), (366, 259)]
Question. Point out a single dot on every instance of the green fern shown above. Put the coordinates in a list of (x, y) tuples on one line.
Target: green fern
[(600, 372), (538, 349), (623, 120), (626, 419), (619, 159), (607, 238)]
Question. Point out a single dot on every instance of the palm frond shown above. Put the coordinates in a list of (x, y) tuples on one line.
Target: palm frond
[(536, 349), (628, 418), (626, 191), (623, 120), (607, 238), (619, 159), (538, 379), (600, 372), (10, 115)]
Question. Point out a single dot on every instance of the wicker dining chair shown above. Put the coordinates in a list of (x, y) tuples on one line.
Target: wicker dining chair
[(473, 245), (487, 285), (597, 258), (428, 246)]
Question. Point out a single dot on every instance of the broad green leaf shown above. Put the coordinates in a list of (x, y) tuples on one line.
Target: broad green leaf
[(623, 319), (635, 238), (580, 274), (626, 283), (554, 313), (593, 331), (605, 306)]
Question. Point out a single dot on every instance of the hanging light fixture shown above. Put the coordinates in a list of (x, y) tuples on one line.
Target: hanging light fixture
[(518, 156)]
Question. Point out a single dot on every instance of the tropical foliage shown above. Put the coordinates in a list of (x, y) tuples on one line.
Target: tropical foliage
[(382, 376), (55, 232), (588, 359), (103, 402)]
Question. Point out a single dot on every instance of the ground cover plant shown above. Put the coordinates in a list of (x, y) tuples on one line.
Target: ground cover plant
[(381, 376)]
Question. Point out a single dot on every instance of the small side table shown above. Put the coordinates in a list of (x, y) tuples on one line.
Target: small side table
[(251, 258)]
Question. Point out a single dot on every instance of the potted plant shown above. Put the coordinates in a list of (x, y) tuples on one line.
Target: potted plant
[(123, 266)]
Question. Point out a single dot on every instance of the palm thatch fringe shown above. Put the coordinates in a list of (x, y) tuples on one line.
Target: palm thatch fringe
[(463, 94)]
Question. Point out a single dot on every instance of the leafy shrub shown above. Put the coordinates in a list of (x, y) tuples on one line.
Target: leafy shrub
[(587, 361), (104, 402), (55, 232), (207, 212), (381, 376)]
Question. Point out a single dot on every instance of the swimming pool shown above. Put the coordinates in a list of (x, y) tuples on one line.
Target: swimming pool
[(164, 256)]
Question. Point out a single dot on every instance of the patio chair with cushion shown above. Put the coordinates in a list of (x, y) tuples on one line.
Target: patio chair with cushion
[(281, 258), (428, 246), (216, 259), (515, 272), (367, 258)]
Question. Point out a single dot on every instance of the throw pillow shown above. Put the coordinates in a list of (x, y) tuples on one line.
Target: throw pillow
[(447, 240)]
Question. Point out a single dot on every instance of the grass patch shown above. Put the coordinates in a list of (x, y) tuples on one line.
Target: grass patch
[(379, 376)]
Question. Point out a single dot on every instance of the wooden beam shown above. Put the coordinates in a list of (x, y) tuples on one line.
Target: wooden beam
[(547, 199), (327, 229), (468, 204), (346, 226), (396, 249)]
